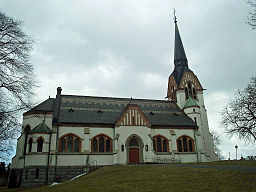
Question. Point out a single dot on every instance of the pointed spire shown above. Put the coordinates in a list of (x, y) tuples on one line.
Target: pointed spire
[(180, 58)]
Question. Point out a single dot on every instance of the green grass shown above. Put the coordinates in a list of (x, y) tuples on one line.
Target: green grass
[(230, 163), (160, 178)]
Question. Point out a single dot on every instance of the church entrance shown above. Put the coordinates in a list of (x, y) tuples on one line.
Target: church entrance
[(134, 155), (134, 146)]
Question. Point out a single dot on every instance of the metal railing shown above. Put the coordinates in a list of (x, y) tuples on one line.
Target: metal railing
[(161, 160), (91, 166)]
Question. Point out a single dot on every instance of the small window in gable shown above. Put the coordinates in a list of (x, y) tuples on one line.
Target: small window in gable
[(40, 143)]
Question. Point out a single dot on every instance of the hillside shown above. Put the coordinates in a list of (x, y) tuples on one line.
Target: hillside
[(161, 178)]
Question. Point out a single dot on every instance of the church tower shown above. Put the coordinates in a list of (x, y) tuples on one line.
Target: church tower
[(185, 89)]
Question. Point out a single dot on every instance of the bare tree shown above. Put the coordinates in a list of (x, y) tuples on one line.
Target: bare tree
[(217, 142), (239, 116), (251, 19), (16, 79)]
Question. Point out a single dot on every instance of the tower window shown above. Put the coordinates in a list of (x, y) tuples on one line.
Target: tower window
[(194, 93), (195, 120), (189, 90), (186, 92)]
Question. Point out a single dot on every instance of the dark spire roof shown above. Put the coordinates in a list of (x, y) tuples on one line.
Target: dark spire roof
[(180, 59)]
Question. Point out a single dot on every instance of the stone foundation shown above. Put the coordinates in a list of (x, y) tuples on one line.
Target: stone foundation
[(32, 176)]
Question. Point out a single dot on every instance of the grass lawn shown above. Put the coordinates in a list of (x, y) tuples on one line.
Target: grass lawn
[(158, 178), (230, 163)]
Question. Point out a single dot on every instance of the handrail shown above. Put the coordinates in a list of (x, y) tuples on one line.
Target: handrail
[(92, 165)]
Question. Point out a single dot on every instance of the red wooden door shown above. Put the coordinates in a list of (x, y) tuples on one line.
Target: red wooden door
[(134, 155)]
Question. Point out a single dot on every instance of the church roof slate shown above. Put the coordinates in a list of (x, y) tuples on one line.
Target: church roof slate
[(45, 106), (107, 110)]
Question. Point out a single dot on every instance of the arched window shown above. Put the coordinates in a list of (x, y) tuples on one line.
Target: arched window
[(190, 91), (70, 143), (133, 142), (101, 143), (40, 142), (185, 144), (30, 142), (194, 93), (26, 131), (186, 92), (160, 144)]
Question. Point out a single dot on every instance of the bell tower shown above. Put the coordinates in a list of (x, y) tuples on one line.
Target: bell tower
[(183, 83), (185, 89)]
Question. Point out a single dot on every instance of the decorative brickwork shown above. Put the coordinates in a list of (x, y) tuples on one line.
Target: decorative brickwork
[(133, 115)]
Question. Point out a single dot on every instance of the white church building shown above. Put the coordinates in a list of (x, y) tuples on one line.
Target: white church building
[(63, 135)]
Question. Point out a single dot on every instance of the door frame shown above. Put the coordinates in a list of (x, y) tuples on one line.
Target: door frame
[(140, 147)]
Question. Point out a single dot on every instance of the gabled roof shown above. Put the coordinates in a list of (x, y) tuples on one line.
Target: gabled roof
[(133, 115), (107, 110), (190, 103), (45, 106), (41, 128)]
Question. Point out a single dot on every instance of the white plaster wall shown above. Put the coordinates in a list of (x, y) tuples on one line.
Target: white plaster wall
[(102, 159), (70, 160), (126, 131), (185, 158), (17, 162), (180, 95), (36, 159), (34, 120), (20, 145)]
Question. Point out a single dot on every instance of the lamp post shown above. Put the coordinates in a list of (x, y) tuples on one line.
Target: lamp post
[(236, 151)]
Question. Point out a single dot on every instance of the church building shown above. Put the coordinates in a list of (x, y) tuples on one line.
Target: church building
[(62, 136)]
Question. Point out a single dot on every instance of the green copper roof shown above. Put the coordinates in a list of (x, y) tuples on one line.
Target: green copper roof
[(41, 128), (191, 103)]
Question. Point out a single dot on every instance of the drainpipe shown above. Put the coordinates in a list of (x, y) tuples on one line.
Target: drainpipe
[(48, 158), (114, 141), (55, 123), (196, 146)]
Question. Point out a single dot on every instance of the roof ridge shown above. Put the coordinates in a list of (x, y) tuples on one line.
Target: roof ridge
[(117, 98)]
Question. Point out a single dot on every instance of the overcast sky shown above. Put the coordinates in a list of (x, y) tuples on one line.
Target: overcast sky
[(125, 49)]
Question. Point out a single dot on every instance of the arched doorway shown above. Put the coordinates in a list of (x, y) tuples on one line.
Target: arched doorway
[(134, 146)]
